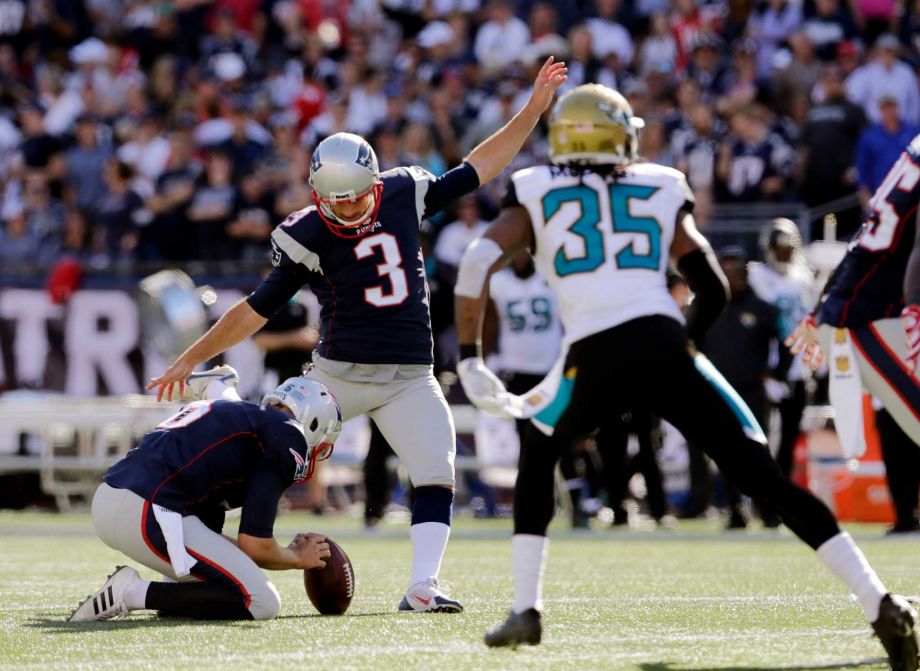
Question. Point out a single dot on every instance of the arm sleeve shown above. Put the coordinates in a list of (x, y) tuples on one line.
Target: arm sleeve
[(278, 288), (701, 270), (444, 190), (260, 507)]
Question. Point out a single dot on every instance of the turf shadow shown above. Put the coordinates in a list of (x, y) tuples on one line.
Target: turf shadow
[(56, 625), (669, 666), (306, 616)]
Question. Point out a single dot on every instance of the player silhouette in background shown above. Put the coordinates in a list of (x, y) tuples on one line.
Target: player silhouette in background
[(603, 228)]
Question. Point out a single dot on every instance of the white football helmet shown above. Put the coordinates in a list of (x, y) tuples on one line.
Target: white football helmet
[(316, 410), (781, 244), (344, 169)]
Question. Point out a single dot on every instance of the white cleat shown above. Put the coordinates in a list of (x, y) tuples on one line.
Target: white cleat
[(109, 601), (429, 597), (196, 384)]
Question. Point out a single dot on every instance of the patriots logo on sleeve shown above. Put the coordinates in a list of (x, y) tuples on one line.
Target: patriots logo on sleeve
[(300, 466), (276, 254)]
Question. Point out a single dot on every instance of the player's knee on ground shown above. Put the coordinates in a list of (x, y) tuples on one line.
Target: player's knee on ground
[(265, 602)]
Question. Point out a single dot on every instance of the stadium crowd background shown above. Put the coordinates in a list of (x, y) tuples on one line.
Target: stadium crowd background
[(146, 130)]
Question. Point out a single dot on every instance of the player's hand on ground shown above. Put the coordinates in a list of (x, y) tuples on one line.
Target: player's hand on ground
[(175, 374), (550, 78), (482, 387), (804, 339), (312, 549), (910, 315)]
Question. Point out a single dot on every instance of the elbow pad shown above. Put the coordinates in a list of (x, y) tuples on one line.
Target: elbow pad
[(477, 260), (704, 277)]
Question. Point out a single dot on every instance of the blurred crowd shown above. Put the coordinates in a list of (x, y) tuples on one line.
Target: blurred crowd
[(168, 130)]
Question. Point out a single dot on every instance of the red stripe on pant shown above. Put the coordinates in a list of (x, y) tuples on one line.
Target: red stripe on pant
[(247, 598), (146, 537)]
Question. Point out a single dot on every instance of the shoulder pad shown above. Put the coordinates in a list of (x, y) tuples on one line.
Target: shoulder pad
[(293, 238)]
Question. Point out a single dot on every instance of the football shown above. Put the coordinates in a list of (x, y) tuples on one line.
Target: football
[(331, 588)]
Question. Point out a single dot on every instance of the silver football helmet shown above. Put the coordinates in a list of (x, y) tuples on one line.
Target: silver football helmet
[(344, 170), (316, 410)]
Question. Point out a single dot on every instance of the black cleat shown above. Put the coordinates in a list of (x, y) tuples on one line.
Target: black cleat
[(895, 629), (519, 628)]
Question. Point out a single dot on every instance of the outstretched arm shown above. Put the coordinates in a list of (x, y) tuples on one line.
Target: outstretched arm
[(237, 323), (509, 234), (494, 153)]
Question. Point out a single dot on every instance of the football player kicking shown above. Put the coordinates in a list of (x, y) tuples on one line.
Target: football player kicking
[(358, 248), (163, 505), (604, 227), (857, 317)]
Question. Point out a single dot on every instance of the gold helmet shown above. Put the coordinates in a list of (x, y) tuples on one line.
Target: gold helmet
[(593, 125)]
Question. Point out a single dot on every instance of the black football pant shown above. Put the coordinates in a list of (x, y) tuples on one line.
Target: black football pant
[(646, 363)]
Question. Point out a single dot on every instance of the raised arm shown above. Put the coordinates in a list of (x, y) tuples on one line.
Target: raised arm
[(494, 153)]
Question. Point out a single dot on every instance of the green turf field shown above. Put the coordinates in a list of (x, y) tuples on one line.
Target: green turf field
[(693, 598)]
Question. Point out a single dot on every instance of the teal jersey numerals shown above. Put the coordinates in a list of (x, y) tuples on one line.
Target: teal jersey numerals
[(587, 227)]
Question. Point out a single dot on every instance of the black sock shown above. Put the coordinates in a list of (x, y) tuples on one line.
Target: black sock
[(198, 600)]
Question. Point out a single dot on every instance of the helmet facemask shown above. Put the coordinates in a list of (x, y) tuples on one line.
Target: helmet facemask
[(343, 227)]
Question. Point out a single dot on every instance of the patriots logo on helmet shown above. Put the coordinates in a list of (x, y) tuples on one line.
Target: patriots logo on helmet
[(364, 155), (300, 466), (315, 163)]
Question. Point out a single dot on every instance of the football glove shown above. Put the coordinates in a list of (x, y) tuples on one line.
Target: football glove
[(483, 388), (805, 339), (910, 315)]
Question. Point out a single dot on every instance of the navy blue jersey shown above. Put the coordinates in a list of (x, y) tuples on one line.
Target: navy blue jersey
[(372, 289), (752, 163), (217, 455), (869, 282)]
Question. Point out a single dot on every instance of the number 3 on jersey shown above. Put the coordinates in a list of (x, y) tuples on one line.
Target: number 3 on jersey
[(390, 268), (586, 226)]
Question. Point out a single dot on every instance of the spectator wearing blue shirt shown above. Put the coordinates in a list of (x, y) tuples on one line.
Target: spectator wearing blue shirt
[(879, 147)]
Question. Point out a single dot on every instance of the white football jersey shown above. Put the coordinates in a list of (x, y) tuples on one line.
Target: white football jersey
[(603, 243), (530, 333)]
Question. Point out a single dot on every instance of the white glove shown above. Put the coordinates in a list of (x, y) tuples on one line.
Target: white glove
[(775, 390), (483, 388)]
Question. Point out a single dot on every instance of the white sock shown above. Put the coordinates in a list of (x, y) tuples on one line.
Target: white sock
[(528, 559), (136, 595), (226, 393), (429, 540), (848, 563)]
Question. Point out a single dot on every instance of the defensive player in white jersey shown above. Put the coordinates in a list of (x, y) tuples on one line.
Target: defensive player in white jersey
[(603, 228), (786, 281)]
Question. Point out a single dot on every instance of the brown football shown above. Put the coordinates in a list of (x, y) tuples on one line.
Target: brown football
[(331, 588)]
